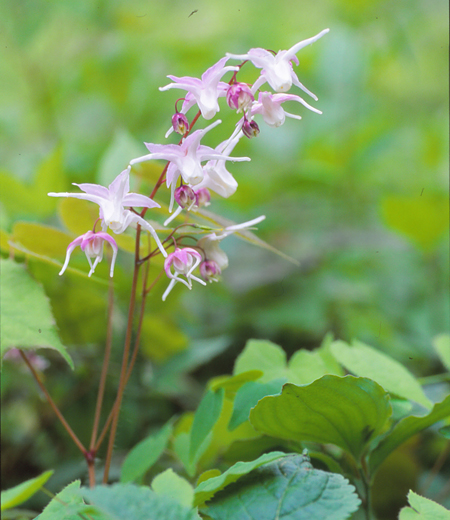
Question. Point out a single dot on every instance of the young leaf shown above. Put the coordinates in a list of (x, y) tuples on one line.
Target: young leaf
[(423, 509), (130, 502), (19, 494), (405, 429), (290, 489), (346, 411), (172, 485), (441, 344), (205, 418), (208, 488), (142, 457), (248, 396), (365, 361), (262, 355), (26, 316)]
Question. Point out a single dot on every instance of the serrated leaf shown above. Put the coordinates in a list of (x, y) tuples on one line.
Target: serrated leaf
[(142, 457), (205, 418), (26, 316), (248, 396), (405, 429), (441, 344), (288, 489), (172, 485), (19, 494), (423, 509), (346, 411), (365, 361), (130, 502), (206, 489)]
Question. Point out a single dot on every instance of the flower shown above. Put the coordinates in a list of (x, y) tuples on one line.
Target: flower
[(180, 123), (92, 244), (239, 96), (209, 244), (112, 202), (206, 91), (185, 158), (250, 128), (210, 270), (277, 70), (182, 262), (269, 106)]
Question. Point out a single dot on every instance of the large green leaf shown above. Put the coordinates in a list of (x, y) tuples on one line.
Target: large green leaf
[(247, 397), (287, 489), (205, 418), (19, 494), (423, 509), (172, 485), (142, 457), (130, 502), (26, 316), (208, 488), (365, 361), (405, 429), (346, 411)]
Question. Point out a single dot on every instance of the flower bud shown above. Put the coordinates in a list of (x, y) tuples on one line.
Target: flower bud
[(203, 197), (250, 129), (209, 270), (180, 123), (185, 196), (239, 96)]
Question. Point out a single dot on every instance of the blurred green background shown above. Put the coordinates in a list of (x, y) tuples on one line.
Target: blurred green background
[(359, 195)]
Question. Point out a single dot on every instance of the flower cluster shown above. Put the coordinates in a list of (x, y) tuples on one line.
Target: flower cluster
[(193, 169)]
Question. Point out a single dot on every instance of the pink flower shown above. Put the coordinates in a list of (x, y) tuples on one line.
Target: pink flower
[(112, 202), (182, 262), (277, 70), (185, 159), (92, 245), (269, 106), (206, 91)]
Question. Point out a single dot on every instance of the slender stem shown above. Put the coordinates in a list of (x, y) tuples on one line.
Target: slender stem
[(126, 350), (60, 416)]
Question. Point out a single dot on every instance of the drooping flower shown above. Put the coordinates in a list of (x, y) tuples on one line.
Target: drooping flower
[(239, 96), (277, 69), (210, 244), (269, 106), (206, 91), (112, 202), (250, 128), (92, 244), (185, 158), (182, 262), (180, 123), (210, 271)]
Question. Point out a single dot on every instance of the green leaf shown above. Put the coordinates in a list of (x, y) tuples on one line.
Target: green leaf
[(441, 344), (68, 505), (248, 396), (41, 240), (130, 502), (142, 457), (205, 418), (172, 485), (405, 429), (365, 361), (290, 489), (26, 316), (231, 384), (19, 494), (445, 431), (423, 509), (208, 488), (346, 411), (262, 355), (306, 366)]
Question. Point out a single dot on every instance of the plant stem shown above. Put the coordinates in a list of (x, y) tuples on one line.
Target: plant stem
[(60, 416), (126, 350)]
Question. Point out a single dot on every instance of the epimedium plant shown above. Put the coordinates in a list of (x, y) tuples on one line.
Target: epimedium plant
[(272, 416)]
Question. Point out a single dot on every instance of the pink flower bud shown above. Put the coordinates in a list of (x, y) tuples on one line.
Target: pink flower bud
[(185, 196), (239, 96), (250, 129), (209, 270), (203, 197), (180, 123)]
